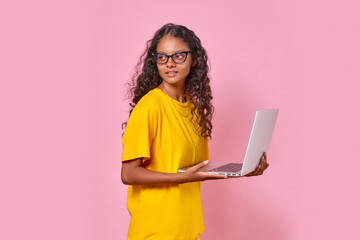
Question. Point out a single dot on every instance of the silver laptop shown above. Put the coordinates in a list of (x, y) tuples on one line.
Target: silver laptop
[(259, 142)]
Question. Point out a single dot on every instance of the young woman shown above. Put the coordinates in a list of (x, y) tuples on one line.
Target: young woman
[(168, 128)]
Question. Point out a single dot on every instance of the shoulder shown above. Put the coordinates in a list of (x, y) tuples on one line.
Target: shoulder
[(151, 104), (146, 114), (152, 101)]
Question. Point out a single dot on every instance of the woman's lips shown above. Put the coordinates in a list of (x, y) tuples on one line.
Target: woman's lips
[(171, 74)]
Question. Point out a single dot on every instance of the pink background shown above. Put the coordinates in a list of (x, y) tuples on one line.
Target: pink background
[(63, 70)]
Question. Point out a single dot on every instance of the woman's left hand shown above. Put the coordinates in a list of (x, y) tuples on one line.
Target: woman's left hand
[(263, 165)]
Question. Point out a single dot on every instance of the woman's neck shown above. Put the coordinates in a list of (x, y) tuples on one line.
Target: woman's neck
[(176, 93)]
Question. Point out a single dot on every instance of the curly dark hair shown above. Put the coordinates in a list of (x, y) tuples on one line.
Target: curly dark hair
[(197, 86)]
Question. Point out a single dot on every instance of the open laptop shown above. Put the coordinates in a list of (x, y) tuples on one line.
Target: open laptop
[(259, 142)]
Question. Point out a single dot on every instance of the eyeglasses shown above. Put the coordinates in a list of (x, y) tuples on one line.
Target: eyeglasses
[(178, 57)]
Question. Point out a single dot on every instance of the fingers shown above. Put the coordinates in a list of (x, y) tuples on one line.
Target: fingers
[(258, 170), (196, 175), (261, 167), (263, 164), (210, 176), (266, 164), (200, 165)]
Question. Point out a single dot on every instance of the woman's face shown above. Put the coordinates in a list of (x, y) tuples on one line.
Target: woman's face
[(172, 73)]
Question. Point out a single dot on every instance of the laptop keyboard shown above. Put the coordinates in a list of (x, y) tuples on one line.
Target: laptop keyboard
[(230, 167)]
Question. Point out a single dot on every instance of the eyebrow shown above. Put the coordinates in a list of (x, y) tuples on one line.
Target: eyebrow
[(174, 52)]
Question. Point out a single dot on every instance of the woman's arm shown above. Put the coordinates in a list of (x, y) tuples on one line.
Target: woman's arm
[(133, 172)]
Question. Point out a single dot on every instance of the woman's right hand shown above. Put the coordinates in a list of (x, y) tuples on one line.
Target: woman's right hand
[(133, 172), (192, 174)]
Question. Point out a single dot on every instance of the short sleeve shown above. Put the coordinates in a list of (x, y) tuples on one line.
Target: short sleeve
[(139, 134)]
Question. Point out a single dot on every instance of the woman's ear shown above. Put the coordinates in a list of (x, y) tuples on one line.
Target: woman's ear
[(193, 60)]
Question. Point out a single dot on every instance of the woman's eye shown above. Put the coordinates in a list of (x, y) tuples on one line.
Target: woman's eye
[(161, 58), (179, 56)]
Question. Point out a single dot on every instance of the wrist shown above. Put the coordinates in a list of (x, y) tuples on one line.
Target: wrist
[(179, 178)]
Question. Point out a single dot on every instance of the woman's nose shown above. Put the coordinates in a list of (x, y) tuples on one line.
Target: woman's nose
[(170, 62)]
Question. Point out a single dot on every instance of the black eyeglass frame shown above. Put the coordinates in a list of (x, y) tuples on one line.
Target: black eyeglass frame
[(171, 56)]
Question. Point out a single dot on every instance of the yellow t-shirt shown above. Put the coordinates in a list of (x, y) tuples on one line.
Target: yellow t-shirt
[(160, 131)]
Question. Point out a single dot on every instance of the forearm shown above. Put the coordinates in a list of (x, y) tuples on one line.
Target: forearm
[(140, 175), (133, 173)]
